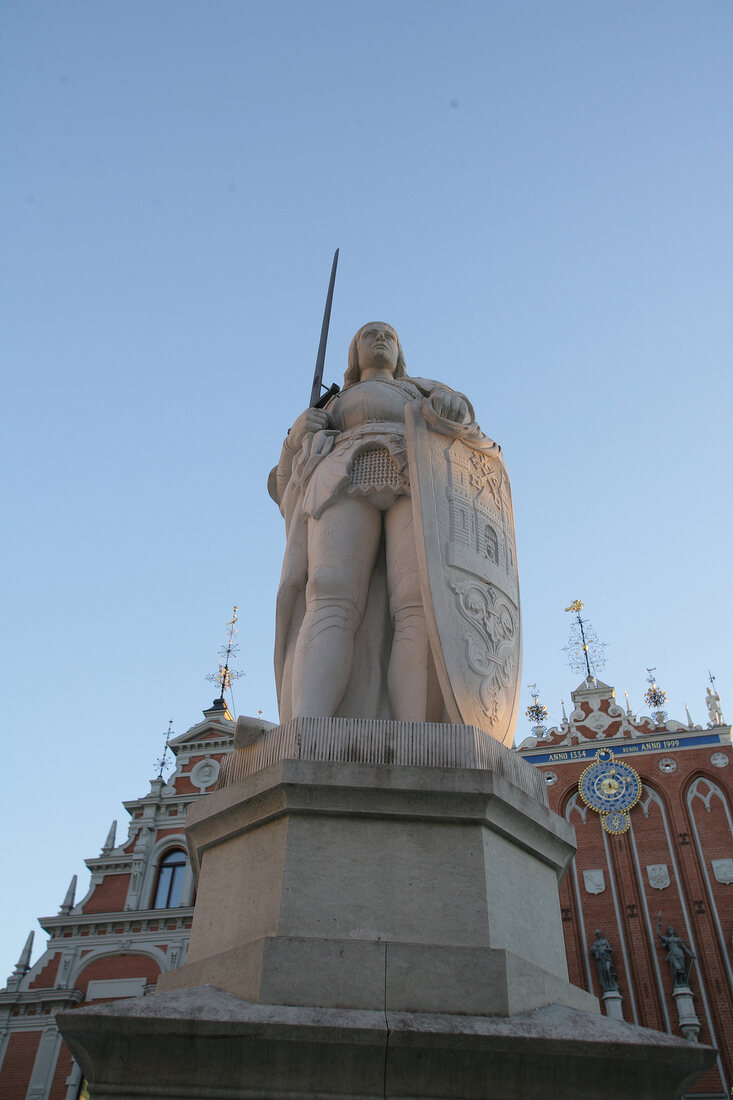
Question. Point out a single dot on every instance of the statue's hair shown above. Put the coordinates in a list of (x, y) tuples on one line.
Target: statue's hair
[(353, 370)]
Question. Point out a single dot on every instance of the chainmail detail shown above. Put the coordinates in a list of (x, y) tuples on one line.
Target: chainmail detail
[(376, 469)]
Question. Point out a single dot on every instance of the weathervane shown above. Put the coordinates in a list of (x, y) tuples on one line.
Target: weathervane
[(655, 697), (163, 759), (584, 650), (225, 676), (536, 712)]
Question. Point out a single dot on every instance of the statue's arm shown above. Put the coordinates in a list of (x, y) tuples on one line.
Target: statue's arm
[(312, 420), (446, 403)]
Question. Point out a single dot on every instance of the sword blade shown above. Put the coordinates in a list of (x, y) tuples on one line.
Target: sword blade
[(321, 357)]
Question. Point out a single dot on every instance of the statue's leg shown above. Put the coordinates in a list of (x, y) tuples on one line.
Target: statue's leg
[(342, 548), (408, 664)]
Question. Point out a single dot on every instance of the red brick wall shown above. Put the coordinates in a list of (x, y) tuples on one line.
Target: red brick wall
[(109, 896), (18, 1064), (686, 840), (46, 978), (63, 1069)]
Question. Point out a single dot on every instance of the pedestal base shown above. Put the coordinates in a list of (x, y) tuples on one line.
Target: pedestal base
[(689, 1023), (612, 1004), (349, 882), (378, 905), (204, 1044)]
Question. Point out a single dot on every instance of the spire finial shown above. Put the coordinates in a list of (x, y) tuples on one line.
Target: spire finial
[(225, 676), (584, 650), (68, 903), (162, 760)]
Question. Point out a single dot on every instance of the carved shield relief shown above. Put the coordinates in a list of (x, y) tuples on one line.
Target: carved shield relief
[(464, 527)]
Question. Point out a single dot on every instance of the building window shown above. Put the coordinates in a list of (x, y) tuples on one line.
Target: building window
[(170, 880)]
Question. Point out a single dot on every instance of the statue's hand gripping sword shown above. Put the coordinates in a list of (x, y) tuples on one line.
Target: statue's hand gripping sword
[(318, 400)]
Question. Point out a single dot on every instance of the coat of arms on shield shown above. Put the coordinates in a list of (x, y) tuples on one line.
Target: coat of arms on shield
[(464, 527)]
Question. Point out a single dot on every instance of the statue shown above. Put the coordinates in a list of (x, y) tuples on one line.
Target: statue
[(712, 702), (676, 951), (398, 597), (602, 952)]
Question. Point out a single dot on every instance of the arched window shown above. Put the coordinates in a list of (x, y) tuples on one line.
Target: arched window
[(170, 880)]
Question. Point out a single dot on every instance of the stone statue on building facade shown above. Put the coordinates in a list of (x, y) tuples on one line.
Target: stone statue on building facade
[(676, 951), (712, 702), (602, 952), (399, 595)]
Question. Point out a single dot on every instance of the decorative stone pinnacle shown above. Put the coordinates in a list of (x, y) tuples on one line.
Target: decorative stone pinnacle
[(111, 839), (23, 964), (68, 903)]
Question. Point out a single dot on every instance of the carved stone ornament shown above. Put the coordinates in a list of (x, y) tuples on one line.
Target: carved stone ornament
[(723, 870), (658, 875), (205, 773), (594, 881), (469, 578), (719, 760)]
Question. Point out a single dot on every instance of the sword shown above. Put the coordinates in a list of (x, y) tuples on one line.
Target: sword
[(317, 400)]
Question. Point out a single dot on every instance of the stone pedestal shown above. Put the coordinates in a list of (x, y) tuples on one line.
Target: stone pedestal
[(689, 1023), (612, 1002), (378, 912)]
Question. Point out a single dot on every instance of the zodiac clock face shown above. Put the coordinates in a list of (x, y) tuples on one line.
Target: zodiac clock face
[(611, 789)]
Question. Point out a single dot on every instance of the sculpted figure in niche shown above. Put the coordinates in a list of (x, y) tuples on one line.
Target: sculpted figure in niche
[(352, 636), (676, 951), (602, 952)]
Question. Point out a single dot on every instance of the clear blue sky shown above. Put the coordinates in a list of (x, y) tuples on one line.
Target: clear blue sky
[(536, 193)]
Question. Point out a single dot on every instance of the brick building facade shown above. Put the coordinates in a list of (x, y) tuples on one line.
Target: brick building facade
[(132, 925), (675, 857)]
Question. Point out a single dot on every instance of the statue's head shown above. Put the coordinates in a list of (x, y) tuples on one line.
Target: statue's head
[(375, 344), (599, 934), (670, 931)]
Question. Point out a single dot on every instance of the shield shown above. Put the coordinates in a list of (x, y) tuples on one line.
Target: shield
[(464, 527)]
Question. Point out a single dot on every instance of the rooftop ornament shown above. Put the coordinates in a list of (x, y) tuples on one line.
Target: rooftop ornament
[(585, 651), (655, 698), (162, 762), (225, 676), (536, 712)]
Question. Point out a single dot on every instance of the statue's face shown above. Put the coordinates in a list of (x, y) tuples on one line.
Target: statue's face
[(377, 347)]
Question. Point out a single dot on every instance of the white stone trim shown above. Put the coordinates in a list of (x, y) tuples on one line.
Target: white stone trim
[(100, 988), (44, 1065), (158, 956)]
